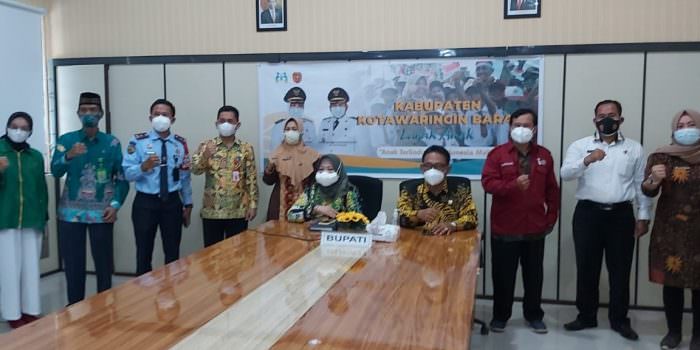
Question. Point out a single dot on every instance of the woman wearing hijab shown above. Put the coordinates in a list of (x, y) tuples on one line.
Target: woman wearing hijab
[(332, 193), (674, 250), (290, 170), (23, 215)]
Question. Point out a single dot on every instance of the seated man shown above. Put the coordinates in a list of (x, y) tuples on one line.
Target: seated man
[(438, 205)]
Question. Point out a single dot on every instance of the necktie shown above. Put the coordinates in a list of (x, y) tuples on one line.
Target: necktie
[(335, 123), (272, 12), (163, 171)]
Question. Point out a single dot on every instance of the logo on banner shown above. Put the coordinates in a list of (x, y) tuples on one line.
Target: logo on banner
[(281, 77), (296, 77)]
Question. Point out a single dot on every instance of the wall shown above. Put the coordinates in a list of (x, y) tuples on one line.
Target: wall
[(651, 87), (91, 28)]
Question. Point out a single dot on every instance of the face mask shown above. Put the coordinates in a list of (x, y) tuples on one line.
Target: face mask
[(161, 123), (292, 137), (338, 111), (226, 129), (433, 176), (326, 178), (521, 135), (296, 112), (18, 135), (89, 120), (609, 126), (687, 136)]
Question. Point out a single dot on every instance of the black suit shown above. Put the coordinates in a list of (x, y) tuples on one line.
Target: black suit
[(526, 5), (266, 16)]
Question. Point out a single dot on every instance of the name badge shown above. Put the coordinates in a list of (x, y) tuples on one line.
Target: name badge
[(236, 176), (507, 164), (349, 240)]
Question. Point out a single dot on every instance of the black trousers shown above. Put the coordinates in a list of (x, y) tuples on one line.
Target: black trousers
[(216, 230), (673, 307), (505, 257), (148, 214), (71, 242), (599, 230)]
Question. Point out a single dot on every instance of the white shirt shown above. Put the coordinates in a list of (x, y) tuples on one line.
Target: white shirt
[(616, 178)]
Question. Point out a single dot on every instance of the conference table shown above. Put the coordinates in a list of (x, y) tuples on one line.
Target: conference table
[(276, 287)]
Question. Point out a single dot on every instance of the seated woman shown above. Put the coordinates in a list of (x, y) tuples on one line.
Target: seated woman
[(332, 193)]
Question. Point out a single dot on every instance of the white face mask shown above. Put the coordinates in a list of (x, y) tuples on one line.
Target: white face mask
[(521, 134), (226, 129), (161, 123), (292, 137), (338, 111), (296, 112), (326, 178), (687, 136), (18, 135), (433, 176)]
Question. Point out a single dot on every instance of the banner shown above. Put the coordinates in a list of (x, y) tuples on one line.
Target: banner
[(395, 109)]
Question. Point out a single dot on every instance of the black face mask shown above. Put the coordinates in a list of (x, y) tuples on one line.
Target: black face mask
[(608, 126)]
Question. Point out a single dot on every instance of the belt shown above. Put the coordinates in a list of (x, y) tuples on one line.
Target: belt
[(607, 206), (156, 195)]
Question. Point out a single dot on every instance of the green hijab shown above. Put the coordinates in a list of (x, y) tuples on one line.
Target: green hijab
[(340, 187)]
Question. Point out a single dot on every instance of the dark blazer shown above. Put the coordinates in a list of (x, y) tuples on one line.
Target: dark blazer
[(266, 16)]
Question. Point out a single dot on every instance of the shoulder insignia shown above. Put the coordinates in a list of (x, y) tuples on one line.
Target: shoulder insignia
[(183, 142), (141, 136), (131, 148)]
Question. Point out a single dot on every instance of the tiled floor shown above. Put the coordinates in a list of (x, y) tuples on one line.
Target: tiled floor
[(649, 324)]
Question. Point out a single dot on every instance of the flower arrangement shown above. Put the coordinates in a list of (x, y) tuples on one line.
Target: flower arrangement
[(351, 220)]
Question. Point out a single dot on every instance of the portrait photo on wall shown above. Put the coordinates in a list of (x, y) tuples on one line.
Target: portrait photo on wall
[(271, 14), (522, 8)]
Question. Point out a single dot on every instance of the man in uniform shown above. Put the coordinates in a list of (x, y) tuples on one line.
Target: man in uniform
[(338, 131), (158, 162), (295, 97)]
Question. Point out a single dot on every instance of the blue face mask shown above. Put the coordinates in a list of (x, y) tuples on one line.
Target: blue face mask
[(89, 120), (687, 136)]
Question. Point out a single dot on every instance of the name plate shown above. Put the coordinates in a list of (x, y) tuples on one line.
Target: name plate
[(344, 239)]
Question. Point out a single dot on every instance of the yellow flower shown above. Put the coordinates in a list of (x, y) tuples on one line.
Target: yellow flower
[(674, 264)]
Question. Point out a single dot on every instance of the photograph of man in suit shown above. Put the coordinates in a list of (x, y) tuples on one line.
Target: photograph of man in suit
[(273, 13), (523, 5)]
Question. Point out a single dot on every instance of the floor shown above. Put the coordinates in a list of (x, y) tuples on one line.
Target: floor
[(649, 324)]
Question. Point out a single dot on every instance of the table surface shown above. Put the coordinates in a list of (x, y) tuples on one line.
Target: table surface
[(276, 286)]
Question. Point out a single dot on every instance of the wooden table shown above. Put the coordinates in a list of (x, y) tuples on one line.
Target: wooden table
[(275, 288)]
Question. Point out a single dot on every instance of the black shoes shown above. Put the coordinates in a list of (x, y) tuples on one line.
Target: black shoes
[(671, 341), (625, 331), (577, 325)]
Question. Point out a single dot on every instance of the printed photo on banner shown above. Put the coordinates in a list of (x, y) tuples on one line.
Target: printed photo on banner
[(271, 15), (379, 116)]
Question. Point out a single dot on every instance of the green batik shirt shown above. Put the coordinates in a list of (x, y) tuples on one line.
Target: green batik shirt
[(302, 209), (231, 182), (94, 181)]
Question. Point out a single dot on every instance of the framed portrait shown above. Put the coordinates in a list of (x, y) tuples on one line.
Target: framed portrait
[(272, 15), (522, 8)]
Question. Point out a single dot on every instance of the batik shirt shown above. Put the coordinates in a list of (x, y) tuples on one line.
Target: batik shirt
[(302, 210), (454, 203), (231, 183), (94, 180)]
